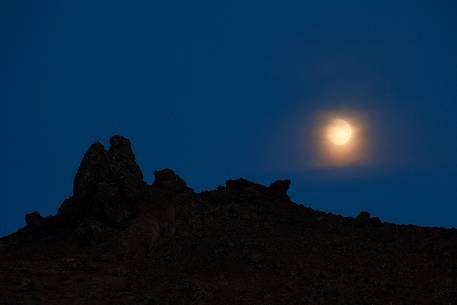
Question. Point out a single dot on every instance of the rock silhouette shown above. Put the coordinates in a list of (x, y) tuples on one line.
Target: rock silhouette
[(118, 240), (107, 185), (33, 219), (167, 179)]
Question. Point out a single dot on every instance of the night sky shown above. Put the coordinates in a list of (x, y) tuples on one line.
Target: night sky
[(225, 89)]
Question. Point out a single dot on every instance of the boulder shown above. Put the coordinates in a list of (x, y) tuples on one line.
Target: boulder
[(243, 186), (167, 179), (33, 219), (363, 216), (279, 189)]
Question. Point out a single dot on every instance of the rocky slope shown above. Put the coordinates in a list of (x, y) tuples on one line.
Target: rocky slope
[(118, 240)]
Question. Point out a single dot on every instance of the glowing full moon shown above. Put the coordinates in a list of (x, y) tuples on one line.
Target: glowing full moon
[(339, 132)]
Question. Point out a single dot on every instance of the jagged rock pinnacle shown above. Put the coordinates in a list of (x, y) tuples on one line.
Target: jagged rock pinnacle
[(108, 183), (94, 168)]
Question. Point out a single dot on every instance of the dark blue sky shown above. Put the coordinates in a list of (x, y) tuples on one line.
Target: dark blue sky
[(223, 89)]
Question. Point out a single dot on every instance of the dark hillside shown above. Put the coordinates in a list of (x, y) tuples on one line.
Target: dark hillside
[(118, 240)]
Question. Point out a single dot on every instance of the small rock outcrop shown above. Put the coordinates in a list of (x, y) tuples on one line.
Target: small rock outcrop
[(279, 189), (243, 186), (243, 189), (365, 218), (33, 219), (166, 179)]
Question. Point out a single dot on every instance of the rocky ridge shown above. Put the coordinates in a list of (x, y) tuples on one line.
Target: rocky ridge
[(118, 240)]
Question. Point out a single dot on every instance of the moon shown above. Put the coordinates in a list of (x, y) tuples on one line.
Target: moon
[(339, 132)]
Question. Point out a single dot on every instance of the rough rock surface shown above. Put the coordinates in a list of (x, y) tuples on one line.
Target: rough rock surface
[(120, 241)]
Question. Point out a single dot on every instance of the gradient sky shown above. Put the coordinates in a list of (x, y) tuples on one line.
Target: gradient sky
[(226, 89)]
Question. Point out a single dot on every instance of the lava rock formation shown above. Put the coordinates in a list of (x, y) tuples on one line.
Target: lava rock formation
[(118, 240)]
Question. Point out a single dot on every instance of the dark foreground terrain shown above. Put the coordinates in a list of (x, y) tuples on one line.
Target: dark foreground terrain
[(120, 241)]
